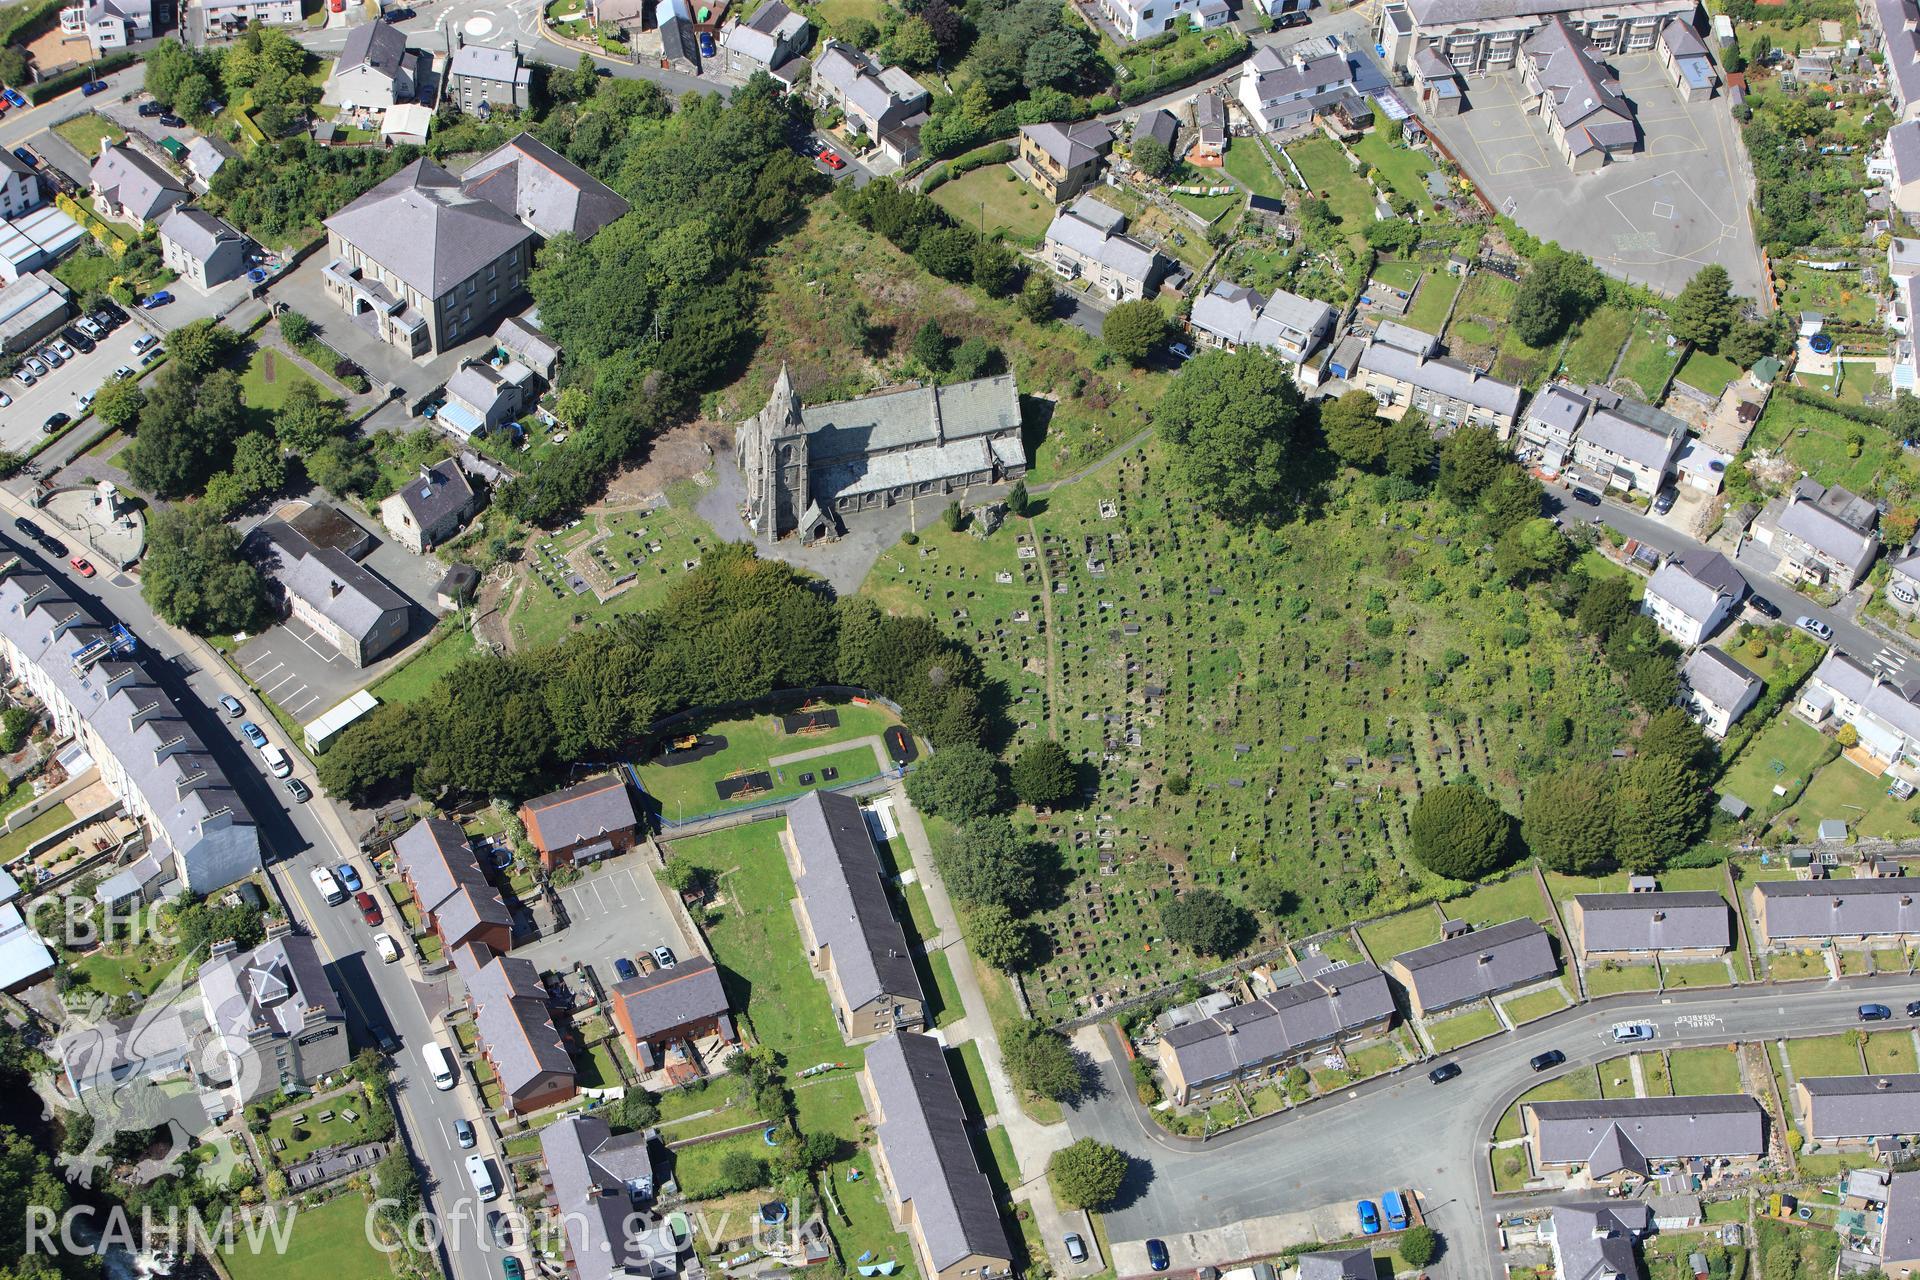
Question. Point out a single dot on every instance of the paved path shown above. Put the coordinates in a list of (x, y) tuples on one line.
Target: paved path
[(833, 748)]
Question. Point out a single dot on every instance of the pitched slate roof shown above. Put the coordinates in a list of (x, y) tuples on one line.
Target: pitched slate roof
[(1609, 1135), (447, 880), (1699, 583), (1903, 148), (129, 179), (1839, 908), (1159, 124), (1587, 100), (1342, 1264), (760, 37), (543, 189), (591, 1169), (423, 228), (846, 901), (923, 1135), (585, 811), (379, 45), (1833, 521), (1654, 921), (669, 998), (1234, 313), (1086, 230), (1902, 45), (1900, 1231), (1441, 375), (344, 592), (1595, 1241), (197, 232), (1718, 679), (1862, 1106), (277, 987), (1635, 441), (1481, 963), (503, 66), (440, 492), (513, 1021), (1281, 1023), (1070, 145)]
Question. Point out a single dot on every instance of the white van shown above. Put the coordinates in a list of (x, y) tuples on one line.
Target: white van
[(440, 1064), (482, 1177), (277, 762), (329, 887)]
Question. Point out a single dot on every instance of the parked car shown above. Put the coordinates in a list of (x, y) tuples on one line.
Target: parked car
[(172, 121), (82, 566), (706, 45), (74, 337), (624, 969), (349, 876), (83, 402), (1076, 1247), (153, 356), (389, 949), (1546, 1061), (298, 790), (1157, 1255), (124, 372), (52, 545), (6, 401), (510, 1269), (397, 15), (114, 309), (25, 376), (831, 158), (60, 345), (152, 300), (369, 909), (231, 705), (26, 157), (106, 318), (13, 97), (462, 1127), (1288, 21), (148, 110), (32, 365), (1628, 1032), (664, 957), (1369, 1218), (500, 1226), (251, 732), (383, 1036), (55, 421), (1444, 1072), (1913, 1008), (1875, 1013), (28, 527), (1394, 1208), (1764, 606), (1813, 626), (142, 342), (89, 326), (51, 358), (92, 87)]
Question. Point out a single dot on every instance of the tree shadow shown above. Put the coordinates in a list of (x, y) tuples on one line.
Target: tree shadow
[(1133, 1187)]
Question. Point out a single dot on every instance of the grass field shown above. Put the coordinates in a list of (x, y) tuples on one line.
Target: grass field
[(1845, 791), (114, 971), (317, 1133), (1247, 163), (1516, 897), (1404, 169), (1785, 754), (1605, 981), (265, 382), (1536, 1004), (416, 679), (1462, 1028), (1428, 310), (993, 200), (1648, 359), (1590, 355), (1834, 449), (326, 1243), (85, 132), (686, 790), (1891, 1053), (1823, 1056), (1704, 1071), (18, 841), (1332, 179), (1575, 1086), (638, 555), (1387, 938)]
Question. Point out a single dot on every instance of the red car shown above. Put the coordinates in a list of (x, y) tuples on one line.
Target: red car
[(369, 909), (831, 158), (81, 566)]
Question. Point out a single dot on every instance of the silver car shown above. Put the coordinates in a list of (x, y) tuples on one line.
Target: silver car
[(1813, 626)]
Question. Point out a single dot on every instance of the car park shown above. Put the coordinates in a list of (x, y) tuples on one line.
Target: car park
[(624, 969), (143, 342), (1813, 626), (1444, 1072), (1076, 1247), (251, 732), (462, 1128), (6, 401), (73, 336), (1157, 1255), (1875, 1013), (82, 566), (298, 790), (1628, 1032), (89, 326), (1546, 1061), (369, 909), (384, 944), (51, 358), (664, 957), (1369, 1218), (230, 705), (32, 365)]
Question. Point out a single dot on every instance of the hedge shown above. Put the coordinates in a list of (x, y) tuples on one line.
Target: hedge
[(1152, 86), (68, 81), (1856, 412), (997, 153), (18, 23)]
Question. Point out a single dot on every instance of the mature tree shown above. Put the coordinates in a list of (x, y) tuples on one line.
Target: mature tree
[(1903, 417), (1471, 459), (197, 346), (1560, 289), (344, 465), (1355, 431), (119, 401), (912, 44), (1087, 1174), (186, 430), (975, 357), (944, 21), (1535, 549), (1240, 433), (1410, 448), (1566, 819), (1704, 311), (1039, 1060), (1036, 297), (947, 252), (1135, 330), (1420, 1245), (1044, 775), (1395, 236), (636, 1109), (930, 346), (1671, 733), (307, 419), (258, 465), (991, 862), (1512, 499), (379, 754), (1206, 921), (1019, 502), (1606, 604), (1058, 58), (167, 63), (1151, 157), (487, 731), (1458, 831), (193, 575), (1000, 938), (957, 784), (994, 268), (1660, 810)]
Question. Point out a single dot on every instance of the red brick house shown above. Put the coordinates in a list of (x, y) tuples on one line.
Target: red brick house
[(685, 1002), (443, 873), (515, 1029), (586, 822)]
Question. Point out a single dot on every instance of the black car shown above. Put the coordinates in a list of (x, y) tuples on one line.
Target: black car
[(397, 15), (1444, 1072), (56, 421), (104, 318), (1546, 1061), (1289, 20), (26, 157), (29, 528), (1157, 1255), (1875, 1013), (172, 121), (1913, 1008), (1764, 606), (53, 546), (77, 338), (114, 309), (149, 110), (384, 1037)]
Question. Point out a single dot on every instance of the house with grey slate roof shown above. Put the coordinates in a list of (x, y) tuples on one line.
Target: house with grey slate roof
[(853, 940), (1820, 534), (1283, 90), (201, 249), (1840, 1109), (1643, 926), (1483, 37), (1262, 1036), (768, 40), (86, 673), (1883, 710), (1899, 23), (1231, 316), (1339, 1264), (885, 103), (1159, 124), (1610, 1138), (1632, 453), (375, 70), (275, 1020), (1545, 437), (514, 1028), (1403, 369), (481, 79), (583, 823), (431, 508), (526, 343), (1062, 160), (1901, 164), (1684, 54), (1875, 909), (1692, 594), (1900, 1228), (1716, 690), (1589, 119), (342, 601), (546, 191), (1474, 966), (128, 187), (936, 1190), (664, 1014), (1089, 242), (456, 900), (593, 1178), (1596, 1241)]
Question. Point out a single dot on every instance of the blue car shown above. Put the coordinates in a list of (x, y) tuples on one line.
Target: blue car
[(153, 300), (14, 99), (348, 877), (1369, 1218), (26, 157), (626, 969), (706, 44), (251, 732), (92, 87), (1396, 1210)]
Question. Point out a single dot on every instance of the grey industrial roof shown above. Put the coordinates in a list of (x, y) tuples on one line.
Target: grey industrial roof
[(1862, 1106), (846, 900), (1718, 679), (1609, 1135), (1696, 582), (275, 988), (345, 593), (923, 1134), (423, 228), (669, 998), (1595, 1241), (918, 416), (1078, 230), (1481, 963), (197, 232), (129, 179), (585, 811), (379, 45), (1341, 1264), (182, 792), (513, 1021), (441, 491), (1442, 376), (1070, 145), (1839, 908), (447, 880), (1900, 1227), (1281, 1023), (543, 189), (1654, 921)]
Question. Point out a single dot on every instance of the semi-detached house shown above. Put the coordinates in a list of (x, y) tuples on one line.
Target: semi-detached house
[(1275, 1030), (1403, 369), (1089, 242), (885, 103), (1883, 711), (456, 900), (1232, 316), (595, 1177), (583, 823), (1716, 690), (1612, 1138), (1802, 912), (1285, 90), (1634, 453), (1855, 1108), (1641, 926), (1474, 965), (1692, 594), (1822, 534), (514, 1028)]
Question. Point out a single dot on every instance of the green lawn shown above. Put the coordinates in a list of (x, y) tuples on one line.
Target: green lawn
[(1404, 169), (1463, 1028), (1332, 179), (318, 1134), (970, 1080), (993, 199), (1390, 937), (1785, 754), (687, 790), (19, 840), (265, 382), (1823, 1056), (1575, 1086), (1536, 1004), (1247, 162), (1786, 966), (1891, 1053), (1846, 791), (417, 678), (326, 1243), (1707, 372), (943, 992), (1590, 355), (1373, 1059), (1515, 897), (1834, 449), (647, 551), (1653, 1075), (1509, 1168), (1627, 977), (113, 972), (697, 1168), (1704, 1071), (1696, 973), (1648, 359), (1428, 311), (84, 132)]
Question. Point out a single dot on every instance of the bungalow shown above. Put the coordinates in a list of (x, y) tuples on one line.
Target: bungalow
[(583, 823), (1641, 926), (515, 1030), (1403, 369), (1802, 912), (1684, 55), (1692, 594), (442, 872), (669, 1006), (1856, 1108), (1089, 242), (1717, 691), (1062, 160), (1254, 1039), (847, 921), (1474, 965), (1614, 1137), (1233, 316), (1820, 534), (1884, 711)]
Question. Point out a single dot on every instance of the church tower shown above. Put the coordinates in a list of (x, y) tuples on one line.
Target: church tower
[(771, 451)]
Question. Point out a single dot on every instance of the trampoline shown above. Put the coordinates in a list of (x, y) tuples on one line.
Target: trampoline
[(900, 745), (744, 786), (810, 721), (1821, 343), (703, 745)]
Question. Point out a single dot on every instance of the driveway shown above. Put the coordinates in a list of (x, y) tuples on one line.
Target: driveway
[(615, 909), (304, 291)]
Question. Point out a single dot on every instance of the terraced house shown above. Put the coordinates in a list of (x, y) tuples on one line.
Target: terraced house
[(514, 1029), (456, 901), (1865, 909), (1403, 369), (1474, 964), (1610, 1139), (1883, 711), (1275, 1030), (1649, 924), (1854, 1109)]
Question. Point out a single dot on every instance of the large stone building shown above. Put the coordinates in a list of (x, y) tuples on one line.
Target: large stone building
[(346, 604), (1476, 37), (1588, 118), (276, 1023), (806, 468)]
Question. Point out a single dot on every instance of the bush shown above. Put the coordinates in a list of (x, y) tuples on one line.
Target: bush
[(1420, 1245), (1088, 1174)]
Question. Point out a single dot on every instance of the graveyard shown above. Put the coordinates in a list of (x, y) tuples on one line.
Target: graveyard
[(610, 563), (1262, 706)]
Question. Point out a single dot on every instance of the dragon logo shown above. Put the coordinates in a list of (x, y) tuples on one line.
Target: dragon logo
[(160, 1068)]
